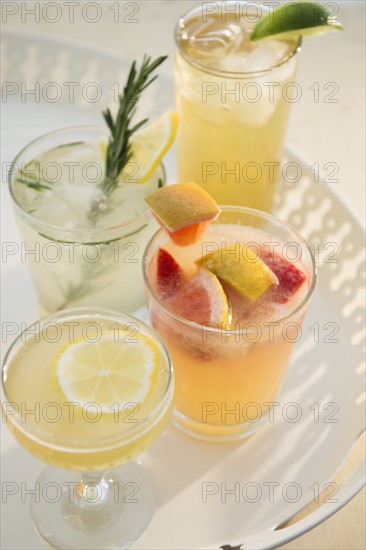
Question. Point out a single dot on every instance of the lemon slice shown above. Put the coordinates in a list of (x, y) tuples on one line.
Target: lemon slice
[(148, 147), (115, 369), (241, 269), (295, 19)]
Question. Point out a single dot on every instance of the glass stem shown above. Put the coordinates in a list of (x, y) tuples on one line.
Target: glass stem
[(92, 490)]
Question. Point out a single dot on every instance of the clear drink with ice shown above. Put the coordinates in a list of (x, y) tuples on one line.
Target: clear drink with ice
[(82, 247), (233, 98)]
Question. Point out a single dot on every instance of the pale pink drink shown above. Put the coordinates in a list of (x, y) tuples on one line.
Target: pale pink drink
[(228, 373)]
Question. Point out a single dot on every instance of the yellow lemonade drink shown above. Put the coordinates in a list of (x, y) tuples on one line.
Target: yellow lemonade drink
[(233, 97), (230, 352), (88, 389)]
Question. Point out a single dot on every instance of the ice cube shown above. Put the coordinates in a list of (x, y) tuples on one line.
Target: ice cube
[(217, 40), (210, 39), (83, 196), (234, 63), (267, 55)]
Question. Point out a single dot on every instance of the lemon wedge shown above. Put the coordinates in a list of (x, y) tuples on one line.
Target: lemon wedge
[(115, 369), (148, 147), (241, 268)]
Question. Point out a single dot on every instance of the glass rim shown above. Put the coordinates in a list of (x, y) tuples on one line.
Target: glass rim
[(220, 72), (70, 444), (235, 332), (144, 216)]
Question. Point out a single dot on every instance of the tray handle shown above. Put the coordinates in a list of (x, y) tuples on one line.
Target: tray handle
[(272, 538)]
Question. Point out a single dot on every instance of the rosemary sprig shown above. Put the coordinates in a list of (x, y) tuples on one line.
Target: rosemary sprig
[(119, 144), (31, 180), (32, 185)]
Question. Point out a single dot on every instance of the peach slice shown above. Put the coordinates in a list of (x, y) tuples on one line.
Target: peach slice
[(183, 210)]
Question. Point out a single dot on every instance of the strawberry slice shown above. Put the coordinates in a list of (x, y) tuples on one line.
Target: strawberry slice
[(169, 275), (290, 278)]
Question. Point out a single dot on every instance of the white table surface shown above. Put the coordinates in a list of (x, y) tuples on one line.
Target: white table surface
[(321, 132)]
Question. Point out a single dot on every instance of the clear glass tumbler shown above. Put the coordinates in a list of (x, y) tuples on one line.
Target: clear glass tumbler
[(228, 376), (82, 249)]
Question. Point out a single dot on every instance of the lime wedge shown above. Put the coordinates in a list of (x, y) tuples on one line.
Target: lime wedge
[(295, 19)]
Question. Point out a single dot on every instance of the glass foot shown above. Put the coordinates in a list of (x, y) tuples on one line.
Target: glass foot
[(93, 510)]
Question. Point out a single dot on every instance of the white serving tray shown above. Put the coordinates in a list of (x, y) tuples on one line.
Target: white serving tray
[(295, 458)]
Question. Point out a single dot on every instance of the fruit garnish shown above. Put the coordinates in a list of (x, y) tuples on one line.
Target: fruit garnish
[(169, 275), (148, 147), (119, 148), (201, 299), (183, 210), (241, 268), (293, 20), (244, 311), (290, 278), (109, 371)]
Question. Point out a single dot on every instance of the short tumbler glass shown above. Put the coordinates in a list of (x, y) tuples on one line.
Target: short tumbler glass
[(88, 265), (226, 379)]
